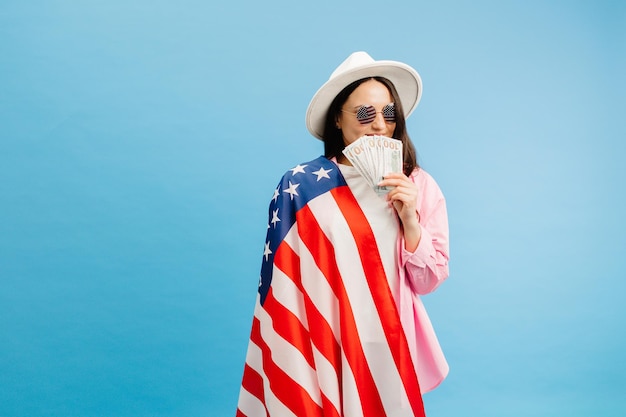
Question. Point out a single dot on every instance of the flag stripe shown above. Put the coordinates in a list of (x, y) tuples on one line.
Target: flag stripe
[(251, 406), (286, 356), (383, 300), (289, 327), (351, 403), (321, 332), (272, 403), (329, 380), (287, 391), (316, 242), (253, 383), (329, 408)]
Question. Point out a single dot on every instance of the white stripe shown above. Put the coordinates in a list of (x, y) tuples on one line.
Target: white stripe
[(368, 323), (289, 295), (250, 405), (328, 379), (288, 358), (315, 284), (351, 399)]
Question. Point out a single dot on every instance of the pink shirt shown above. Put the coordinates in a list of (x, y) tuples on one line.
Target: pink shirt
[(421, 272)]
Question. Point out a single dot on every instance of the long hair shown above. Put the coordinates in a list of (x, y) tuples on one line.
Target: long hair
[(333, 138)]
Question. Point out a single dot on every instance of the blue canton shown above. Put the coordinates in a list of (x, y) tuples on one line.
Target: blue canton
[(297, 187)]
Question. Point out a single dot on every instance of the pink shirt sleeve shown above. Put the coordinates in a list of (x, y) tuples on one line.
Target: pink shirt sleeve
[(427, 267)]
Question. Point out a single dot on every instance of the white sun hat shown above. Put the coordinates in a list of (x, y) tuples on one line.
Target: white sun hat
[(357, 66)]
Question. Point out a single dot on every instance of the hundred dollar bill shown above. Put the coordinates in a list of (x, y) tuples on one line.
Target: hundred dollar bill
[(390, 151), (375, 156), (355, 153)]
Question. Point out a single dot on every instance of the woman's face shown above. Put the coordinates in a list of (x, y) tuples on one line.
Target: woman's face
[(372, 93)]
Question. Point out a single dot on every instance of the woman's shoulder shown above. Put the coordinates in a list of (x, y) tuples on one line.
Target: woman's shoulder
[(420, 174), (425, 182), (320, 161), (316, 169), (309, 179)]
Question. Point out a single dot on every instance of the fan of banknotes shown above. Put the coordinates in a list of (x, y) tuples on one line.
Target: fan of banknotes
[(375, 156)]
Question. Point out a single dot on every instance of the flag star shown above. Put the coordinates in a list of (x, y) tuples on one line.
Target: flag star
[(275, 218), (291, 190), (322, 173), (299, 168), (260, 281), (267, 251), (276, 194)]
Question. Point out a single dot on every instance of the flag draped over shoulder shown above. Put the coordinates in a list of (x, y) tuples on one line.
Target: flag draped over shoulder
[(326, 336)]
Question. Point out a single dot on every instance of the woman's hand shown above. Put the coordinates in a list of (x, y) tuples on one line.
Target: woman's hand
[(403, 197)]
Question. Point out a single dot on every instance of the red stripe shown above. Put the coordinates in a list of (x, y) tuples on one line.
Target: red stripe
[(240, 414), (381, 293), (323, 251), (253, 383), (286, 390), (321, 333), (289, 327), (329, 408)]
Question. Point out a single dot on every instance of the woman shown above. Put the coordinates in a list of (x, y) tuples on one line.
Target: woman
[(339, 329)]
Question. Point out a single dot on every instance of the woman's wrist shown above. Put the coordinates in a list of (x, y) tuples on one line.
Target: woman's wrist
[(412, 236)]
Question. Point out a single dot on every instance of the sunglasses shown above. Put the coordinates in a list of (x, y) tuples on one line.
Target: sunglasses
[(366, 114)]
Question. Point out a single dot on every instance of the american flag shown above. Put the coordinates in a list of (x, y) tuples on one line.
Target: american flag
[(326, 336)]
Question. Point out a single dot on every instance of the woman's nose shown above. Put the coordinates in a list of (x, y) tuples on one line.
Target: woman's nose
[(379, 122)]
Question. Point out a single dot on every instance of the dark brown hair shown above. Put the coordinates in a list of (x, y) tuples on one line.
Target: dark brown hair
[(333, 138)]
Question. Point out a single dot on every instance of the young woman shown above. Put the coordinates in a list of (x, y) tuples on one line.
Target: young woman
[(339, 328)]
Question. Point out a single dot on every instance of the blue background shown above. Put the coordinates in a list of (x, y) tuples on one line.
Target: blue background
[(140, 143)]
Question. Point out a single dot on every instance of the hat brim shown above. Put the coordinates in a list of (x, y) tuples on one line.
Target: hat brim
[(406, 80)]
